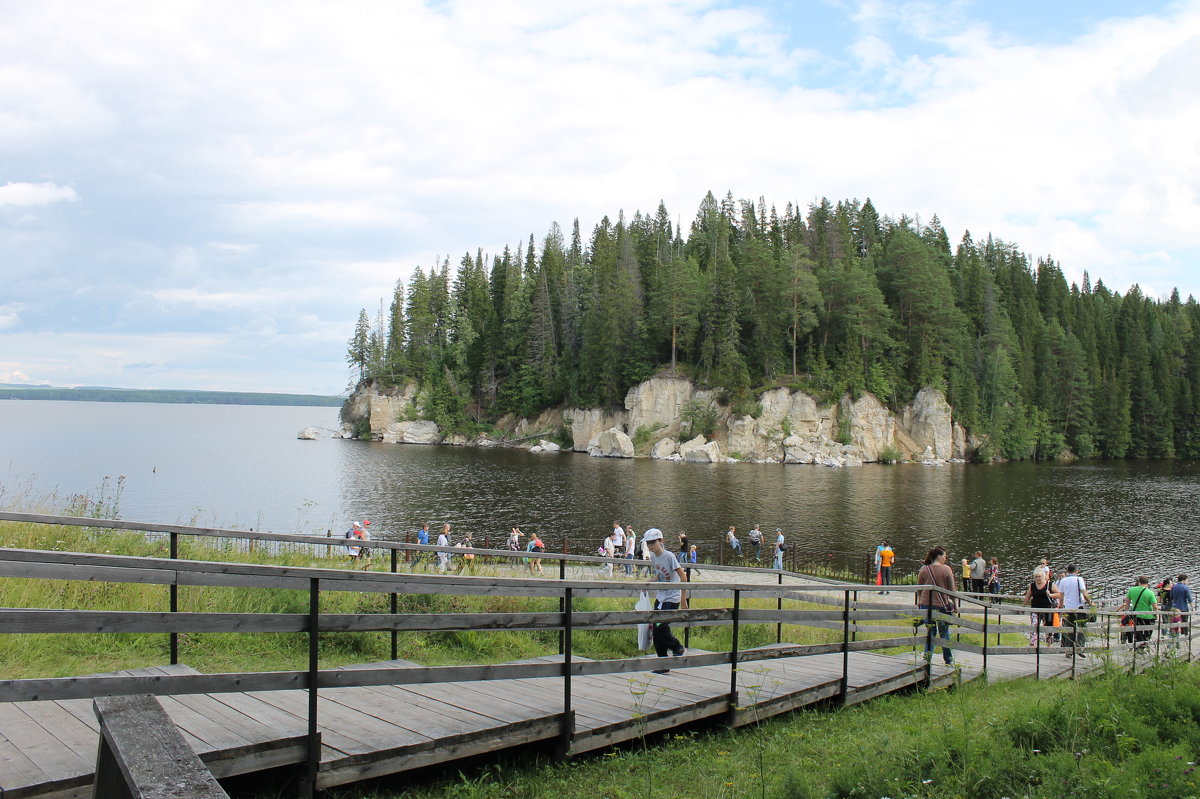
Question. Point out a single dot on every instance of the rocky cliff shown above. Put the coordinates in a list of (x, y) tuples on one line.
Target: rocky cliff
[(792, 427)]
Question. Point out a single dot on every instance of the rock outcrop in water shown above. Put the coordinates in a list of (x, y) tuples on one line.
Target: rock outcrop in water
[(791, 427)]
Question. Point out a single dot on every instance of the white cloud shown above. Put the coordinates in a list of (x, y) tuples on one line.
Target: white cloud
[(238, 160), (9, 375), (9, 316), (24, 195)]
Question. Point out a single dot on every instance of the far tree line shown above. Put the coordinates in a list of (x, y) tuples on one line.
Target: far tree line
[(832, 300)]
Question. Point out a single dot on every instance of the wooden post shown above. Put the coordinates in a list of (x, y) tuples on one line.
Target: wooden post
[(562, 606), (929, 641), (733, 654), (568, 728), (174, 590), (687, 631), (143, 754), (308, 787), (854, 632), (395, 598), (845, 646), (1037, 654), (779, 607), (407, 552), (985, 636)]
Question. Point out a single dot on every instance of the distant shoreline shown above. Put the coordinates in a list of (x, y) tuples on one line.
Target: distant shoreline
[(189, 397)]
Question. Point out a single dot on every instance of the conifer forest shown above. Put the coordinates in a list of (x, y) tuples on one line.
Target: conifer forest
[(834, 299)]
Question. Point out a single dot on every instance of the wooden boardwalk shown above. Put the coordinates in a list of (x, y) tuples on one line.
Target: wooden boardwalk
[(338, 726), (48, 748)]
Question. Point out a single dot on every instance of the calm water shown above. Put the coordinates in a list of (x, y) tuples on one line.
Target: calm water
[(242, 466)]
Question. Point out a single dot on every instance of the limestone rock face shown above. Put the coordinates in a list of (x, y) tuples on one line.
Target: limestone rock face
[(664, 449), (309, 434), (791, 428), (655, 403), (418, 432), (872, 427), (754, 439), (960, 442), (588, 423), (387, 409), (927, 420), (612, 443)]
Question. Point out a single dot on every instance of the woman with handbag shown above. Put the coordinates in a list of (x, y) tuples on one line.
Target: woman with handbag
[(935, 572), (1040, 594)]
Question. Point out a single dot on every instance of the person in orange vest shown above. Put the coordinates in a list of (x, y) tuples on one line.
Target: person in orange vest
[(886, 558)]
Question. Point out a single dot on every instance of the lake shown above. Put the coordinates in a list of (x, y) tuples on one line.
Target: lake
[(242, 466)]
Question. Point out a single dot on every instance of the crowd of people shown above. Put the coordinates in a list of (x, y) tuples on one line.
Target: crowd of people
[(1061, 603), (622, 544)]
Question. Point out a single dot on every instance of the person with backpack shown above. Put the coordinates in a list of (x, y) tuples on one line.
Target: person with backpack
[(756, 537), (536, 547), (1141, 604), (359, 554)]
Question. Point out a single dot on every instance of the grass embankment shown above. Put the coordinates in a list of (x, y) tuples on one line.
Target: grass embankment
[(1113, 736)]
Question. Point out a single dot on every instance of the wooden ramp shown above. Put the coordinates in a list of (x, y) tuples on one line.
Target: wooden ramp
[(48, 748)]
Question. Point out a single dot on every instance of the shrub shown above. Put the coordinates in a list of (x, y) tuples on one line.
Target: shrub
[(642, 436), (889, 454)]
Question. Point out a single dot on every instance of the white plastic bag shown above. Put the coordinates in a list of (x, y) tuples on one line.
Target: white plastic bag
[(643, 631)]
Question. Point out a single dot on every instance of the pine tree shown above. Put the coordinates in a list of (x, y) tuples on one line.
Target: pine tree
[(357, 349)]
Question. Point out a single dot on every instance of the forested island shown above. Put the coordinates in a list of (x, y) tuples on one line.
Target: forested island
[(836, 300), (173, 396)]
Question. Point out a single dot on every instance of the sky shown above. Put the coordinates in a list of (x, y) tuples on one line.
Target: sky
[(202, 195)]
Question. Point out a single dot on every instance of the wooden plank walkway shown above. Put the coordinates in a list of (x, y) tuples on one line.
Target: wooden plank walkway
[(48, 748)]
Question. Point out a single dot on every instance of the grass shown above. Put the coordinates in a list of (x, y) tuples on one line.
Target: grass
[(1113, 736)]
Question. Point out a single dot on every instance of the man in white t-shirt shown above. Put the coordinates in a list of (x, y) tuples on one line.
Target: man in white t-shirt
[(1074, 596), (666, 569)]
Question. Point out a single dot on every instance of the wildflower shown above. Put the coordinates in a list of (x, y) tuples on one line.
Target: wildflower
[(926, 782)]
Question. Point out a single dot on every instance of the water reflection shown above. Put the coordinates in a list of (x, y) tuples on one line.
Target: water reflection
[(1113, 520)]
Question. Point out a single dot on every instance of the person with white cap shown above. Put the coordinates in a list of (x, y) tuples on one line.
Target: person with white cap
[(666, 569), (358, 532)]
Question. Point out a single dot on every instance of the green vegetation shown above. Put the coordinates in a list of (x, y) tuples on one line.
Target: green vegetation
[(643, 435), (834, 299), (889, 454), (167, 396), (1113, 736)]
